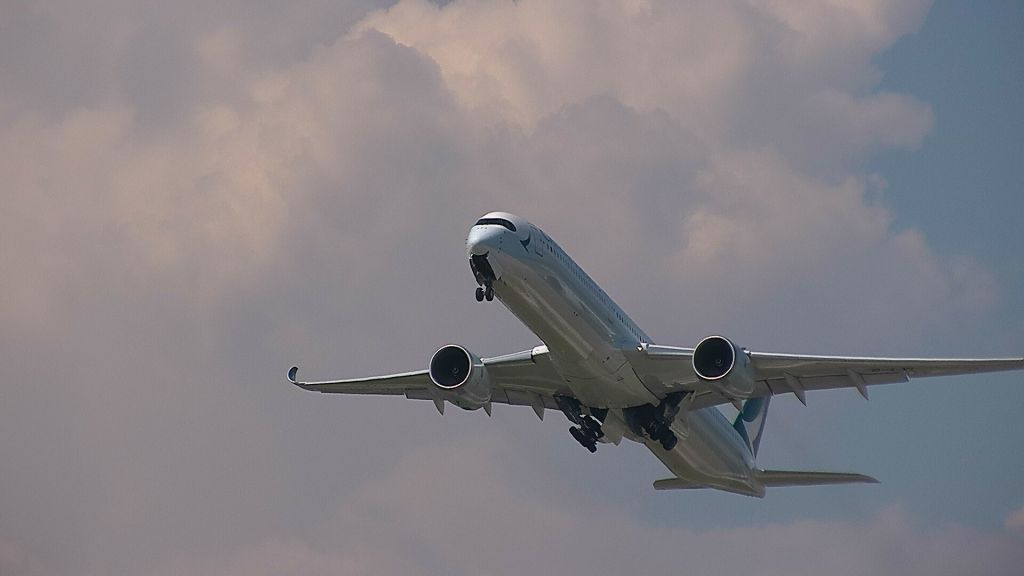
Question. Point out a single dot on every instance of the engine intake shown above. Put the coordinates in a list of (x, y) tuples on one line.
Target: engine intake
[(724, 366), (461, 377)]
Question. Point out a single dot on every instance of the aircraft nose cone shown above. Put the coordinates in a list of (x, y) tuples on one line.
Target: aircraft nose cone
[(482, 239)]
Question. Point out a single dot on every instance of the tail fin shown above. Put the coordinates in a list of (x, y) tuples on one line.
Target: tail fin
[(750, 422)]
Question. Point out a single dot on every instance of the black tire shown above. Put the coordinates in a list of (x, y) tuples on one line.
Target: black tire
[(489, 293), (655, 429), (479, 294), (669, 441)]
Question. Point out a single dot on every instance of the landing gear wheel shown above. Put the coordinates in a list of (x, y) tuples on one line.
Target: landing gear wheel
[(656, 430), (593, 429), (479, 294), (585, 440), (669, 441), (489, 293)]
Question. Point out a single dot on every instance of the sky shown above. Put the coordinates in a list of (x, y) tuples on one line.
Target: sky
[(196, 197)]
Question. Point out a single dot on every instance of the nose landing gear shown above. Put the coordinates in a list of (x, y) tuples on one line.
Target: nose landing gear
[(485, 277), (485, 292)]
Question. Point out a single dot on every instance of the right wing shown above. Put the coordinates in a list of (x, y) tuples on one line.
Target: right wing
[(670, 369), (522, 379)]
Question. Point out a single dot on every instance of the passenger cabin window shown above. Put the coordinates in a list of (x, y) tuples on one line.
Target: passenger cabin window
[(499, 221)]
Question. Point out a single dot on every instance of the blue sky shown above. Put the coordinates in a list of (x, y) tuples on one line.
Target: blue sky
[(963, 63), (197, 198)]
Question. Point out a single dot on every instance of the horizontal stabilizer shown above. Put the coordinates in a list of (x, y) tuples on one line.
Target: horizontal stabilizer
[(775, 478), (676, 484), (772, 478)]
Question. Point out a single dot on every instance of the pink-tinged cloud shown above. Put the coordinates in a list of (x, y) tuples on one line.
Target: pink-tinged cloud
[(196, 197), (416, 519), (1015, 521)]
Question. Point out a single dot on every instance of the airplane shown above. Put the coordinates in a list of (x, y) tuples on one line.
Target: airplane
[(611, 381)]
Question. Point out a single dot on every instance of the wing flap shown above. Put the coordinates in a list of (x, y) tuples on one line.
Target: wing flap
[(828, 382)]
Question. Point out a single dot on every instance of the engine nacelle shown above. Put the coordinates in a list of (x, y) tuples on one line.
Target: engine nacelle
[(724, 366), (461, 377)]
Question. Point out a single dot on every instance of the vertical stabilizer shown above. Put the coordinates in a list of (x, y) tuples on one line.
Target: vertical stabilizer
[(750, 422)]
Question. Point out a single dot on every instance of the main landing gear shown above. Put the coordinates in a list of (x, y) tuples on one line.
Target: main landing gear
[(485, 292), (587, 430), (654, 421)]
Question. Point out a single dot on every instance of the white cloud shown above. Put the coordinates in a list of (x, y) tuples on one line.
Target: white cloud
[(456, 510), (189, 208), (617, 114)]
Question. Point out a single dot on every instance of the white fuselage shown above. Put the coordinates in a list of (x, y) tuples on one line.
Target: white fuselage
[(589, 338)]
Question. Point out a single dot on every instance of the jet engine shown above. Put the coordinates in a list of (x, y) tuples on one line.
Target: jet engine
[(724, 366), (461, 377)]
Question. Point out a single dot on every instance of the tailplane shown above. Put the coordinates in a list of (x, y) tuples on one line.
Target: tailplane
[(750, 422), (773, 478)]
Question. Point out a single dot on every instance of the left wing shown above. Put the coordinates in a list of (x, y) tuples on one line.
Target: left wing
[(523, 379), (668, 369)]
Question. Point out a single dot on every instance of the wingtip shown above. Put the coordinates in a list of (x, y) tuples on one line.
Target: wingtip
[(293, 373)]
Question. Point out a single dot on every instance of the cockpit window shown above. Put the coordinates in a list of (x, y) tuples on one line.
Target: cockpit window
[(499, 221)]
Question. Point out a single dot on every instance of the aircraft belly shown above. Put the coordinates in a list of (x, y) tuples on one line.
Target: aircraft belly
[(539, 307), (708, 454), (598, 374)]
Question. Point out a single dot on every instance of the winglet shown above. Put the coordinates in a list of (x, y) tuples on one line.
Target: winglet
[(293, 374)]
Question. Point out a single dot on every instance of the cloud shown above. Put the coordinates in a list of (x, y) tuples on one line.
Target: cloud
[(1015, 521), (623, 119), (421, 518), (756, 119), (197, 198)]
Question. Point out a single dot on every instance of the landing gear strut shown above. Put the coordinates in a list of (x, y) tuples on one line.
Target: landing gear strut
[(485, 277), (654, 421), (587, 430)]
